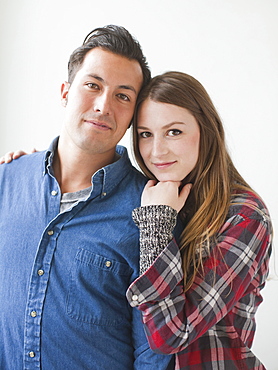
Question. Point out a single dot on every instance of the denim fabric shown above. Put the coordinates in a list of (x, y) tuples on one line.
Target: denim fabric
[(63, 276)]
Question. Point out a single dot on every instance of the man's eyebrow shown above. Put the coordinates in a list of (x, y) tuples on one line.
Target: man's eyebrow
[(96, 77), (128, 87), (100, 79)]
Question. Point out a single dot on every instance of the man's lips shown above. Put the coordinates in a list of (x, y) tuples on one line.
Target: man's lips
[(98, 124), (164, 165)]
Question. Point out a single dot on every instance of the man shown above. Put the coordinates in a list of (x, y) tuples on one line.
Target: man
[(69, 247)]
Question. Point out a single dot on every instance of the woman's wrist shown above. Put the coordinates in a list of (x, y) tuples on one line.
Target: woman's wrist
[(156, 224)]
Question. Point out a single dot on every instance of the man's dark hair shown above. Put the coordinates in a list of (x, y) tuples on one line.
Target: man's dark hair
[(111, 38)]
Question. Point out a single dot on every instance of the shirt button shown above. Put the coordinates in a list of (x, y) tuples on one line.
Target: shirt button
[(31, 354), (134, 297), (33, 314), (54, 192), (108, 263), (40, 272), (104, 194), (50, 232)]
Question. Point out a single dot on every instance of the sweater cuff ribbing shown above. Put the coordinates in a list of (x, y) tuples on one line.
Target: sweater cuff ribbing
[(156, 224)]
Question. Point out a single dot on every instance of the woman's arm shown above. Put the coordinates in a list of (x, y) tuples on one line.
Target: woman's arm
[(156, 224), (236, 267)]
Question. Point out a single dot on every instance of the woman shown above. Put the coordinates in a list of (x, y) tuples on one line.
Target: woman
[(198, 300)]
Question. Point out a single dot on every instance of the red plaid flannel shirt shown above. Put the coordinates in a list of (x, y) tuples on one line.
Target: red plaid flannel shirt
[(212, 325)]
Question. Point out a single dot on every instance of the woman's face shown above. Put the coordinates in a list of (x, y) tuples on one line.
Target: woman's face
[(169, 139)]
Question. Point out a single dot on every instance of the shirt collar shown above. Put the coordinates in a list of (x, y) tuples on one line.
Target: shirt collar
[(49, 154), (115, 172), (109, 176)]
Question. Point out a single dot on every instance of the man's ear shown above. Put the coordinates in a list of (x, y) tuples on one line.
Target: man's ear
[(64, 93)]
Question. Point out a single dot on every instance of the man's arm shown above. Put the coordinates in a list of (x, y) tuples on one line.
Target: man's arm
[(144, 357)]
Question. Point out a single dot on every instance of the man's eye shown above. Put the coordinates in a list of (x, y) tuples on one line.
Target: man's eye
[(174, 132), (92, 85), (145, 134), (123, 97)]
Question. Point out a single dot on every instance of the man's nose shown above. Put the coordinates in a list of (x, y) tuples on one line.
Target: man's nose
[(103, 104)]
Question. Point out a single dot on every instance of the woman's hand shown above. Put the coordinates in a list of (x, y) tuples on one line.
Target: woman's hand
[(165, 193), (10, 156)]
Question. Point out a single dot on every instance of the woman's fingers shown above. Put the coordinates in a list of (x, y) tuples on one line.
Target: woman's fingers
[(10, 156), (165, 193)]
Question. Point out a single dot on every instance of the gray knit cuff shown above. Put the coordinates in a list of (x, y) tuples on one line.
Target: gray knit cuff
[(156, 224)]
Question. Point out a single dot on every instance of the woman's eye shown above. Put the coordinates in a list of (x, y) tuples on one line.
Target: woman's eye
[(174, 132), (144, 134)]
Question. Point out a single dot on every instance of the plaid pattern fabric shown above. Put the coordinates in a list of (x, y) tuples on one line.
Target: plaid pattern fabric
[(212, 325)]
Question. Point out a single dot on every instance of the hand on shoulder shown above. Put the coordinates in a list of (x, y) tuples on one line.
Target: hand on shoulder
[(10, 156)]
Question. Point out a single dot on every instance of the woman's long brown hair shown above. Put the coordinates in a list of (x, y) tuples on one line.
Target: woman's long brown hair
[(214, 177)]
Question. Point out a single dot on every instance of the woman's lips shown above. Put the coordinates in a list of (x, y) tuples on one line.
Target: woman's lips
[(164, 165)]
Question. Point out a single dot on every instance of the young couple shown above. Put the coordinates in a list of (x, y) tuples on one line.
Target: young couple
[(198, 292)]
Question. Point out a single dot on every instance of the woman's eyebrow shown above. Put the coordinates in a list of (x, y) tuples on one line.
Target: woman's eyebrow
[(165, 126)]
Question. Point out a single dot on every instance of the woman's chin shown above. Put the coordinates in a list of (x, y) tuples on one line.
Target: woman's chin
[(168, 178)]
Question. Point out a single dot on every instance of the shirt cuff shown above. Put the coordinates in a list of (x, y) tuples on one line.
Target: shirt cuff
[(159, 280)]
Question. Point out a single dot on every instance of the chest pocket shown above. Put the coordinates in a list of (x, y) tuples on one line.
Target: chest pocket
[(97, 289)]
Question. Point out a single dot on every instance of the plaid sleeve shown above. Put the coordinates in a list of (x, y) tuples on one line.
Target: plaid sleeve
[(236, 265), (160, 280)]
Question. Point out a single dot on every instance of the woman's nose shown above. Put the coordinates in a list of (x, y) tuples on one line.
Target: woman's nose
[(159, 147)]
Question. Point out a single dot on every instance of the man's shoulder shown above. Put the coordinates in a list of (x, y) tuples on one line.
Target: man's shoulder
[(136, 178), (128, 170), (136, 173), (25, 163)]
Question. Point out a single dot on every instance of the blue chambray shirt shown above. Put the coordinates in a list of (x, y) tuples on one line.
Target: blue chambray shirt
[(63, 276)]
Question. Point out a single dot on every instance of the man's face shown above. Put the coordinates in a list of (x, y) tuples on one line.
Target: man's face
[(100, 101)]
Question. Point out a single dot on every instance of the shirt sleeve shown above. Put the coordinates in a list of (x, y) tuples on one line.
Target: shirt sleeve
[(144, 357), (237, 264)]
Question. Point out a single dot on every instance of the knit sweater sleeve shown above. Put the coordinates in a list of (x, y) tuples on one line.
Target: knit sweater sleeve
[(156, 224)]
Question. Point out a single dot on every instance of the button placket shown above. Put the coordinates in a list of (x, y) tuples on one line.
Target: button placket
[(36, 299)]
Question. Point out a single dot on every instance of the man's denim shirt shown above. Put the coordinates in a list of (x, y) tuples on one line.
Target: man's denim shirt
[(63, 276)]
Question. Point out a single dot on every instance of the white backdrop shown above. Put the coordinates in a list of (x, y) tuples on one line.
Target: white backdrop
[(231, 46)]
